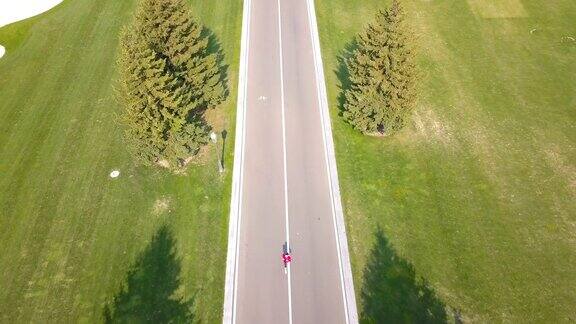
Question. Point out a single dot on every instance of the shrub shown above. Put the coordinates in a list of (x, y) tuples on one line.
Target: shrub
[(382, 75), (168, 78)]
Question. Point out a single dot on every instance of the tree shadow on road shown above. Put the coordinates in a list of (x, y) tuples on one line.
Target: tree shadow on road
[(391, 293), (148, 295)]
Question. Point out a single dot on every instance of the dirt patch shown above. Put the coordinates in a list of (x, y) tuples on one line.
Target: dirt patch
[(191, 160), (487, 155), (563, 217), (430, 127), (161, 206), (498, 8), (562, 168)]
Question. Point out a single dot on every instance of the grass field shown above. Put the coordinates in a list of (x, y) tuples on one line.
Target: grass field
[(477, 196), (71, 237)]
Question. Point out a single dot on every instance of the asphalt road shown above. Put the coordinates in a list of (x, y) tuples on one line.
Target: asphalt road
[(285, 194)]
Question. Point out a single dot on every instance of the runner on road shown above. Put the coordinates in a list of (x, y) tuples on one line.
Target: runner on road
[(286, 258)]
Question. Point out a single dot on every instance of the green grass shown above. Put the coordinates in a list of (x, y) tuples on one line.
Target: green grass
[(71, 237), (478, 194)]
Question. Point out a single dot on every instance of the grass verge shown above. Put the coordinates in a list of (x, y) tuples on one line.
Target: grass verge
[(71, 235), (476, 197)]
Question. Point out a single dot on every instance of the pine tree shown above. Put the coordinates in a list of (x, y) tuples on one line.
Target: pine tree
[(382, 75), (168, 78)]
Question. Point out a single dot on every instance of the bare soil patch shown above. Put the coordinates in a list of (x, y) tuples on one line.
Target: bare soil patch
[(161, 205), (563, 168), (430, 127)]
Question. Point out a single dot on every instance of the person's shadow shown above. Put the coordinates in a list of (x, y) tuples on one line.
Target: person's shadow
[(285, 248), (148, 295), (391, 293)]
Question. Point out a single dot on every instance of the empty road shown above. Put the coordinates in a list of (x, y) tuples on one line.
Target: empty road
[(285, 194)]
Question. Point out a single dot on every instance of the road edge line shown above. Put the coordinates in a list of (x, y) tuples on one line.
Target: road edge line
[(230, 283), (342, 241), (284, 155)]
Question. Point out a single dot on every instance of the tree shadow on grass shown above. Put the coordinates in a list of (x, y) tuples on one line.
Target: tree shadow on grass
[(214, 47), (148, 295), (391, 293), (343, 74)]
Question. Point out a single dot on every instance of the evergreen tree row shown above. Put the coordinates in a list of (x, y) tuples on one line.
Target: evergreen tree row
[(382, 75), (168, 78)]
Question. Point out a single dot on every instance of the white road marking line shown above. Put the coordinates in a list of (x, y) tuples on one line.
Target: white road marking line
[(231, 284), (348, 296), (285, 162)]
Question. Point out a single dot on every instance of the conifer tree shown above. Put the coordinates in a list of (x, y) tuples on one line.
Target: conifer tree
[(168, 78), (382, 75)]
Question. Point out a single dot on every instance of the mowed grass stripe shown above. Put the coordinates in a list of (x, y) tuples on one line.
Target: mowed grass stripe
[(63, 137), (32, 142), (70, 233), (477, 193), (225, 20), (50, 63), (81, 150)]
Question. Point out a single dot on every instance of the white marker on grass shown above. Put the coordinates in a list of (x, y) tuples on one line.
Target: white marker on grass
[(114, 174)]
